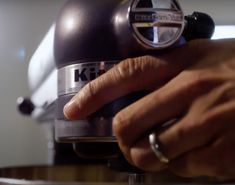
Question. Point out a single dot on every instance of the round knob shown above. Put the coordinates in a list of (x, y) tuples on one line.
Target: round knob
[(199, 25), (25, 105)]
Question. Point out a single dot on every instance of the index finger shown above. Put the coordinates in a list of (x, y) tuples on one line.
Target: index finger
[(128, 76)]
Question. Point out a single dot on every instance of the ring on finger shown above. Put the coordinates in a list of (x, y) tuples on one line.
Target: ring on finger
[(155, 146)]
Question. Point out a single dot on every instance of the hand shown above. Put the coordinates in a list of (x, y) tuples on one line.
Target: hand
[(195, 83)]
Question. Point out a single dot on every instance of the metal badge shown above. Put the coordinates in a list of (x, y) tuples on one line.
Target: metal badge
[(72, 78), (156, 24)]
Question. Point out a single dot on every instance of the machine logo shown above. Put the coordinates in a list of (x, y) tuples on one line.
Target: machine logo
[(164, 17), (90, 71), (72, 78), (156, 23), (85, 74)]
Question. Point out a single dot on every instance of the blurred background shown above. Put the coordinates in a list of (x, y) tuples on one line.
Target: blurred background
[(23, 24)]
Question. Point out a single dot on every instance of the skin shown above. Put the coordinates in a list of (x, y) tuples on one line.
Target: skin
[(194, 83)]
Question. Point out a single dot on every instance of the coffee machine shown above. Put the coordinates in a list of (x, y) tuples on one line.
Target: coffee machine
[(87, 39)]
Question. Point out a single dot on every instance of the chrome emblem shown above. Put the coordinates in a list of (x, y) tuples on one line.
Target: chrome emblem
[(156, 23)]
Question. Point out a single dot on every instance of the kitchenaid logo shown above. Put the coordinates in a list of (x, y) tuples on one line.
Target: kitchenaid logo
[(158, 17), (86, 74), (73, 77)]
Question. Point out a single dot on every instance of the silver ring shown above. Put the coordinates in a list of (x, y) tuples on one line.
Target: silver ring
[(156, 149)]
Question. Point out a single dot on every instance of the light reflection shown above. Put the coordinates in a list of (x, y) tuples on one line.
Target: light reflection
[(119, 19), (20, 54), (69, 23)]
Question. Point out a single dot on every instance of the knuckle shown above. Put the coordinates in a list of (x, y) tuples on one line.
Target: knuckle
[(135, 66), (141, 71), (197, 124), (126, 68), (228, 92), (181, 132), (120, 127), (184, 128), (200, 80), (193, 121)]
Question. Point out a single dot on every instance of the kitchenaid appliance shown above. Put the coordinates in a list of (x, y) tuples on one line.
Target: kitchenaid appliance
[(87, 39)]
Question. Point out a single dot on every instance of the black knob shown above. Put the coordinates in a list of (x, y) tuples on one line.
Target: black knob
[(25, 106), (198, 26)]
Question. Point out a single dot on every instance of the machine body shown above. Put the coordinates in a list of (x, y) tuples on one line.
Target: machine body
[(90, 38)]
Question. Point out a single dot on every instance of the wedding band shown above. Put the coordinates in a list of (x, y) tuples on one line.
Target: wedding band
[(156, 148)]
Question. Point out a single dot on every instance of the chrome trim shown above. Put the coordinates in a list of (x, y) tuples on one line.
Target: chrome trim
[(66, 75), (97, 129)]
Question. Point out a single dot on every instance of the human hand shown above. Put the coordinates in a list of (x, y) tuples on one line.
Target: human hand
[(195, 83)]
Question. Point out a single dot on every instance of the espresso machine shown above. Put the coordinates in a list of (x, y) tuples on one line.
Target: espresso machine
[(86, 40)]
